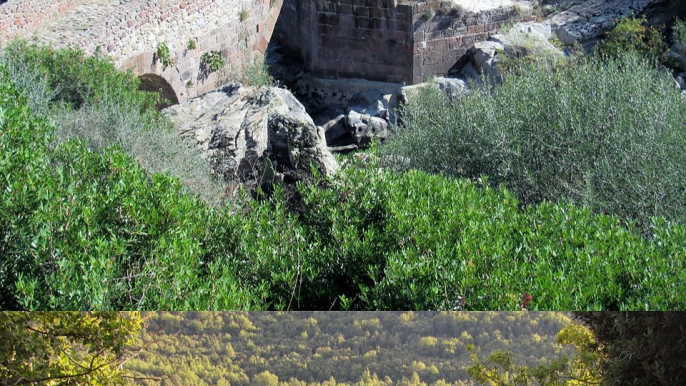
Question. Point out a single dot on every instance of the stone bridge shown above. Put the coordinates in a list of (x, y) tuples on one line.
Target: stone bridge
[(130, 31)]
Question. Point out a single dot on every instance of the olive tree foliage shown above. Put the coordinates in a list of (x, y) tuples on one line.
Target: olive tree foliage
[(501, 368), (607, 133), (639, 348), (66, 348)]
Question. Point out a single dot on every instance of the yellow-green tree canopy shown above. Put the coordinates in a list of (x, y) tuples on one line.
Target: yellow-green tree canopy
[(66, 348)]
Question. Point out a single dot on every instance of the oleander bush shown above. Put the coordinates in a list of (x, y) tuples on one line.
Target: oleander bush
[(609, 135), (90, 230)]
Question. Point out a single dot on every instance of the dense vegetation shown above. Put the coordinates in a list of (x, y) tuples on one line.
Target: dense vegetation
[(639, 348), (612, 349), (351, 349), (88, 98), (574, 198), (313, 349), (606, 133), (66, 348)]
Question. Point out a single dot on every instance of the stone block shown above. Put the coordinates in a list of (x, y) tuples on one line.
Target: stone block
[(346, 21), (475, 29), (378, 12), (344, 9), (361, 11)]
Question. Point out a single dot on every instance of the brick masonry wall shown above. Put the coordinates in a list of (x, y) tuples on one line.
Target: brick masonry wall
[(370, 39), (16, 17), (384, 40), (130, 32), (442, 36)]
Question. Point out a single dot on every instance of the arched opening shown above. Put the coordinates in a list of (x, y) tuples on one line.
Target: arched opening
[(156, 83)]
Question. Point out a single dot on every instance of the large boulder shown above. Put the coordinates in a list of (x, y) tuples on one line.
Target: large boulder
[(254, 135)]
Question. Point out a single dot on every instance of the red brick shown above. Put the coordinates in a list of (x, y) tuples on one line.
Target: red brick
[(475, 29)]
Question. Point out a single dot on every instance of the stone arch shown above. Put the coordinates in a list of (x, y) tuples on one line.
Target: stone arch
[(156, 83), (156, 77)]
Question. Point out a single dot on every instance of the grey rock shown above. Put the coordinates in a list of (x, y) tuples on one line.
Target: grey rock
[(470, 72), (363, 128), (483, 57), (336, 132), (680, 81), (451, 86), (677, 56), (587, 20), (370, 102), (343, 149), (251, 133)]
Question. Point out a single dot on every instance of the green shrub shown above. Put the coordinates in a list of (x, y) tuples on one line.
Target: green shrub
[(416, 241), (74, 77), (163, 54), (679, 31), (92, 230), (191, 44), (257, 73), (631, 34), (253, 72), (90, 99), (375, 239), (609, 135), (83, 230), (243, 15), (212, 61)]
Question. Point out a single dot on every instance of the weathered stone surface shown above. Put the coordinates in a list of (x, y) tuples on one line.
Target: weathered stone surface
[(451, 86), (130, 32), (370, 102), (363, 127), (247, 133), (530, 39), (523, 39), (336, 133), (470, 72), (483, 56), (394, 41), (586, 20), (677, 56)]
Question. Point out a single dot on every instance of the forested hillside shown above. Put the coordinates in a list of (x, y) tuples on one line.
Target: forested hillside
[(328, 348)]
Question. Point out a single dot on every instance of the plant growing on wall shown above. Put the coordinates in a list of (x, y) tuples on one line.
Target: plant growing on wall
[(211, 61), (243, 15), (429, 14), (191, 44), (163, 54)]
